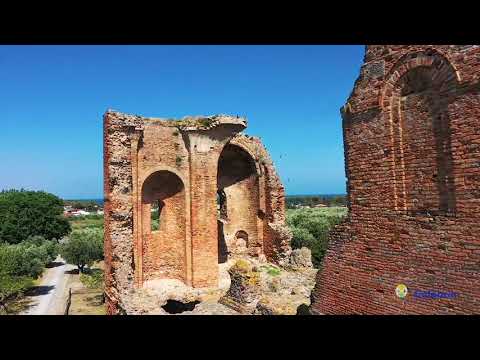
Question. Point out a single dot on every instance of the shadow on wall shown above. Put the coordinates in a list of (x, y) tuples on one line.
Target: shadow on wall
[(425, 130), (222, 245)]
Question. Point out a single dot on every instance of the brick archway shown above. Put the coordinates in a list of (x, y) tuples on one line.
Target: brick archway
[(239, 181), (415, 102), (164, 248), (429, 58)]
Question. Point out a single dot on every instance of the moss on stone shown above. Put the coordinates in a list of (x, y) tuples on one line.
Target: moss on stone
[(243, 266)]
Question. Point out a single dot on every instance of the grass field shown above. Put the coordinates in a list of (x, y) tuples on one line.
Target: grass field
[(89, 221), (319, 212), (87, 295)]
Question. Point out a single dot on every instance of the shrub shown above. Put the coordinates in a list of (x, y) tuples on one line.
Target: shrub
[(22, 260), (28, 213), (11, 286), (310, 228), (83, 248), (92, 280), (50, 247), (301, 238), (21, 263)]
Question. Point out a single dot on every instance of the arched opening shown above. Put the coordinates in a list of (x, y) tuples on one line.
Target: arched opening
[(238, 202), (422, 136), (164, 229), (241, 241)]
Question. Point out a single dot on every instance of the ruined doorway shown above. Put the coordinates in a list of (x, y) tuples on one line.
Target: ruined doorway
[(238, 201), (164, 253)]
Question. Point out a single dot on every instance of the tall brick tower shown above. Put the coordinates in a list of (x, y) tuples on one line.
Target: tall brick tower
[(412, 154)]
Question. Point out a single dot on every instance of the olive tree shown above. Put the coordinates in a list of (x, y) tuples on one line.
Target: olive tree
[(83, 248)]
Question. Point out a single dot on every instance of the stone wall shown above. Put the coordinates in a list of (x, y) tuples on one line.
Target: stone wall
[(175, 164), (412, 155)]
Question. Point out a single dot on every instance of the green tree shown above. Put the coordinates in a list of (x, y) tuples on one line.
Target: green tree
[(11, 286), (83, 248), (21, 263), (311, 227), (22, 260), (48, 247), (28, 213), (301, 238)]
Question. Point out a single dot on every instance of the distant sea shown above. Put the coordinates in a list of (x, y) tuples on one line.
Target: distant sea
[(314, 195)]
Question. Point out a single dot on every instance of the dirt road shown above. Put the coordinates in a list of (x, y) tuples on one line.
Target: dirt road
[(50, 296)]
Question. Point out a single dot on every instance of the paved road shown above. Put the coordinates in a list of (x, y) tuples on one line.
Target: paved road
[(49, 297)]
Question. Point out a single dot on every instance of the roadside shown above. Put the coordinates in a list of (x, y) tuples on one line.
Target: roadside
[(87, 294), (50, 295)]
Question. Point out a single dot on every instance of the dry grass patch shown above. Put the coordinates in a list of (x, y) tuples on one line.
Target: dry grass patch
[(87, 302)]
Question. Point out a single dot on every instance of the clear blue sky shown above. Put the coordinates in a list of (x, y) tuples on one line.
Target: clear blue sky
[(52, 99)]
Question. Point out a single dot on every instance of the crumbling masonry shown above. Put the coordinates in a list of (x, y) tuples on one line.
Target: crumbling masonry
[(412, 154), (216, 190)]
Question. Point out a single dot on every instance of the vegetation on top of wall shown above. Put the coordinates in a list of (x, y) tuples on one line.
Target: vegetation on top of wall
[(193, 121), (205, 122)]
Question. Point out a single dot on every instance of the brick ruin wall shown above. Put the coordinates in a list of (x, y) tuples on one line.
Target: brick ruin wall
[(175, 164), (412, 156)]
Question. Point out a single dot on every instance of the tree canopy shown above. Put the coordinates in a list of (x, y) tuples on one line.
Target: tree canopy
[(28, 213), (83, 248)]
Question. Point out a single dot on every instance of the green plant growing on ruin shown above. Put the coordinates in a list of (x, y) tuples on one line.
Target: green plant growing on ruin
[(178, 160), (242, 265), (93, 279), (205, 122), (272, 271)]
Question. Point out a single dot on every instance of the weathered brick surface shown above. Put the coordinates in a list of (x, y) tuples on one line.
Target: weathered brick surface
[(181, 165), (412, 154)]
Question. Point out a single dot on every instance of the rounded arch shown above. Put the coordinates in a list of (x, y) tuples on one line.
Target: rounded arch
[(446, 73), (236, 142), (235, 164), (241, 238), (415, 101), (238, 187), (164, 236), (162, 168)]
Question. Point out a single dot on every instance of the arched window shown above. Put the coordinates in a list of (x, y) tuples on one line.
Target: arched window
[(238, 199), (163, 223)]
